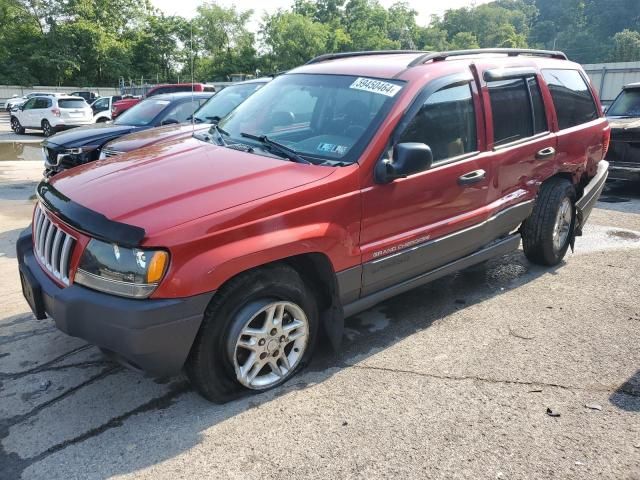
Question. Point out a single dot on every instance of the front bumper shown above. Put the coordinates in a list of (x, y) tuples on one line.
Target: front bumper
[(590, 196), (154, 335)]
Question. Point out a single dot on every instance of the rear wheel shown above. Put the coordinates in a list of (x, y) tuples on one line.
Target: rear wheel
[(16, 127), (547, 233), (47, 129), (258, 331)]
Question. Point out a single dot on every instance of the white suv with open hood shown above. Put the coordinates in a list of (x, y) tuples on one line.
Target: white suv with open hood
[(51, 113)]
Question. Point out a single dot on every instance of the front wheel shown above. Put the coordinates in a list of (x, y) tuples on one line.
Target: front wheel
[(547, 233), (258, 331)]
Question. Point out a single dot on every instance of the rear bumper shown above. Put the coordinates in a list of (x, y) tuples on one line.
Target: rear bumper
[(590, 196), (154, 335)]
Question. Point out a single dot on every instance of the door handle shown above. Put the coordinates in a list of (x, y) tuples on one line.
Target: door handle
[(472, 177), (545, 153)]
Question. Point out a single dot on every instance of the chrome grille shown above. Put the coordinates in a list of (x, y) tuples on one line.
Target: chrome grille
[(107, 153), (52, 245)]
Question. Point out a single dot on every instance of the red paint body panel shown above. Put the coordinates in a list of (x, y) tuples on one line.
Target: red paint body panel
[(221, 211)]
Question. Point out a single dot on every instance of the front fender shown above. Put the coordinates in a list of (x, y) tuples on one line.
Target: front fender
[(210, 268)]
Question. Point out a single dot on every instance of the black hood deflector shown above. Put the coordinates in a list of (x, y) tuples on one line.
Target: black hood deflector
[(88, 221)]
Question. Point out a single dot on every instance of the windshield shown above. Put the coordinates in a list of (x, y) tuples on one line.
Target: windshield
[(329, 117), (222, 103), (626, 105), (143, 113)]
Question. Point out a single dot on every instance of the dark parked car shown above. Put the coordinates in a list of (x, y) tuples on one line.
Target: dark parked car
[(216, 108), (82, 145), (88, 96), (624, 118)]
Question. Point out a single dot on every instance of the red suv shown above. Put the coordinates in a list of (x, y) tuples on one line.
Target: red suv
[(334, 187), (128, 102)]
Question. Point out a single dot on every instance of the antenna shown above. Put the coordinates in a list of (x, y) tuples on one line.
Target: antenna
[(193, 119)]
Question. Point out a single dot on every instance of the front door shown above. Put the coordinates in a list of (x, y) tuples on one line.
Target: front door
[(415, 224), (26, 119)]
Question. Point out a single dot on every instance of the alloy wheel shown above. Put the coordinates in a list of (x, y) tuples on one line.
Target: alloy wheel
[(562, 225), (270, 345)]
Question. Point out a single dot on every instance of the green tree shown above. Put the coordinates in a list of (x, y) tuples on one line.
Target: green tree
[(464, 41), (222, 43), (626, 46), (292, 39)]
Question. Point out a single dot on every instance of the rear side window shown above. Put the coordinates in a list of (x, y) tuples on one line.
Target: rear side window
[(71, 103), (41, 103), (571, 97), (446, 122), (517, 109)]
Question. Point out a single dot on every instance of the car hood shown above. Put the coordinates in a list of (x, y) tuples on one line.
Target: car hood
[(145, 138), (96, 134), (172, 183)]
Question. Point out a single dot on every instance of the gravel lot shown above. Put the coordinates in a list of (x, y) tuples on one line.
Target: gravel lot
[(452, 380)]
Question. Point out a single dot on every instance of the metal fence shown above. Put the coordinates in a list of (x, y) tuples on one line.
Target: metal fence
[(8, 91), (609, 78)]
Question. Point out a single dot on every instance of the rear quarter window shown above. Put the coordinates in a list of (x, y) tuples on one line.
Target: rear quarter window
[(571, 97)]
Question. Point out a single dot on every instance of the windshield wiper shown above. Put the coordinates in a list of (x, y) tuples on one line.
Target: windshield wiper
[(215, 128), (274, 146)]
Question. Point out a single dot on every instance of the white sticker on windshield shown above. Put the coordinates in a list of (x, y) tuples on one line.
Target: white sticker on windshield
[(376, 86), (331, 148)]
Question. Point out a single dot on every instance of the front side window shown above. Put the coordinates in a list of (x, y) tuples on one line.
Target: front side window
[(103, 104), (143, 113), (325, 117), (41, 103), (571, 97), (29, 104), (626, 105), (446, 123)]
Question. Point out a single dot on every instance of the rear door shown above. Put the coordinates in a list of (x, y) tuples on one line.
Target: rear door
[(582, 129), (523, 147), (39, 111), (418, 223)]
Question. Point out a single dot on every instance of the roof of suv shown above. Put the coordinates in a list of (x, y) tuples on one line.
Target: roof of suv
[(180, 95), (632, 86), (392, 64)]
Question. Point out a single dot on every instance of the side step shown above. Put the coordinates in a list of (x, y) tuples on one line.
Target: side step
[(501, 247)]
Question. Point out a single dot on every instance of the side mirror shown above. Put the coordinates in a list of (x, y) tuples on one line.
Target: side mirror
[(408, 158), (169, 121)]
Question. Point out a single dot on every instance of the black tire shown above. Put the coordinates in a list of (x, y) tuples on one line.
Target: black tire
[(538, 229), (16, 126), (47, 129), (210, 364)]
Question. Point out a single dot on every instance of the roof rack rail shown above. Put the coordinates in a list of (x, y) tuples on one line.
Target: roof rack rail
[(334, 56), (512, 52)]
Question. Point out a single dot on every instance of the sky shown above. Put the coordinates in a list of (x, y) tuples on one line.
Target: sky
[(187, 8)]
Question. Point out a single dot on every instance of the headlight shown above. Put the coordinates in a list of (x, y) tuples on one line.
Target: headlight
[(128, 272)]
